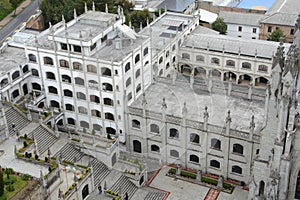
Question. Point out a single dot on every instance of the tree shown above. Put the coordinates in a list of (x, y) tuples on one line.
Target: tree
[(140, 16), (14, 4), (8, 172), (276, 35), (220, 26), (1, 184)]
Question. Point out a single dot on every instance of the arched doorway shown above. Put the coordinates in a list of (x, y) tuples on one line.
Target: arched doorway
[(227, 76), (200, 72), (60, 122), (261, 82), (297, 190), (41, 105), (25, 89), (186, 69), (261, 190), (216, 74), (137, 146), (244, 79), (85, 191)]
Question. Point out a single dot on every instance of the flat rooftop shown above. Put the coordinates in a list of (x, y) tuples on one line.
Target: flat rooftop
[(88, 25), (164, 29), (217, 42), (11, 57), (218, 105)]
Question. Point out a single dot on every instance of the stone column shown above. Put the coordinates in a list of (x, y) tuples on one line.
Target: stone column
[(164, 133), (184, 131), (192, 77), (229, 85), (250, 91), (199, 175), (228, 123), (205, 119), (178, 172), (210, 83), (252, 126)]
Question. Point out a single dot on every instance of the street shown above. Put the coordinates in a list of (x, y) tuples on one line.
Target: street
[(18, 20)]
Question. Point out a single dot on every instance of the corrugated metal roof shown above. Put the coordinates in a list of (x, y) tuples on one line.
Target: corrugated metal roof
[(251, 19)]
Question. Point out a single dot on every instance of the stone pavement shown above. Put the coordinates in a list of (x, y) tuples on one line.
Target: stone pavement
[(8, 159), (9, 17)]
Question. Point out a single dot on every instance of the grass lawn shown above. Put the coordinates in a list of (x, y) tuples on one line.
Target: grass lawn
[(18, 185), (5, 8)]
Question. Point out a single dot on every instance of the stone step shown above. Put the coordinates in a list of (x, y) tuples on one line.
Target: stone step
[(13, 117)]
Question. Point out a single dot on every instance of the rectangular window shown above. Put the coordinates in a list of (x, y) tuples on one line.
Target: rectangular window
[(93, 46), (292, 32), (269, 29), (240, 29), (77, 48), (254, 30), (64, 46)]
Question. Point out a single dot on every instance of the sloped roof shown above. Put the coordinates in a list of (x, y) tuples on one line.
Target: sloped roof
[(286, 19), (250, 19), (285, 6), (175, 5)]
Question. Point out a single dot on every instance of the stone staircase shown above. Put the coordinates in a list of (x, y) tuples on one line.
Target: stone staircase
[(43, 139), (155, 195), (14, 117), (125, 185), (68, 152), (100, 171)]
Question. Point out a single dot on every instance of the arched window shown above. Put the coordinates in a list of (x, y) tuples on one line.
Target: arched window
[(246, 65), (68, 93), (94, 98), (82, 110), (146, 63), (109, 116), (237, 169), (34, 72), (263, 68), (77, 66), (194, 158), (174, 59), (215, 61), (127, 67), (97, 127), (237, 148), (215, 143), (66, 79), (173, 47), (138, 88), (160, 60), (214, 163), (161, 72), (186, 56), (128, 82), (93, 84), (107, 87), (194, 138), (71, 121), (50, 75), (137, 73), (69, 107), (136, 124), (167, 65), (154, 128), (15, 75), (84, 124), (167, 54), (105, 71), (137, 146), (52, 90), (146, 51), (108, 101), (199, 58), (64, 63), (48, 61), (129, 96), (54, 104), (4, 82), (230, 63), (155, 148), (174, 153), (91, 69), (32, 58), (79, 81), (96, 113), (81, 96), (110, 130), (174, 133), (36, 86), (25, 69), (137, 58), (261, 190), (15, 93)]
